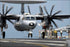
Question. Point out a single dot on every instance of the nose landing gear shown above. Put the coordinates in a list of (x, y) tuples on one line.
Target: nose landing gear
[(30, 34)]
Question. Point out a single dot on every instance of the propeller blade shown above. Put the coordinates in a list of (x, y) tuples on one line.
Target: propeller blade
[(51, 10), (10, 21), (61, 16), (56, 13), (57, 18), (29, 9), (41, 10), (54, 23), (6, 8), (46, 11), (9, 10), (3, 8)]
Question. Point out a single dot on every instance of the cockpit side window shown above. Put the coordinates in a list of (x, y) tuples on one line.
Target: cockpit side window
[(32, 18), (27, 18)]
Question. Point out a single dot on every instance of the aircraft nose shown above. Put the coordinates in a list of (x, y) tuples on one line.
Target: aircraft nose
[(31, 24)]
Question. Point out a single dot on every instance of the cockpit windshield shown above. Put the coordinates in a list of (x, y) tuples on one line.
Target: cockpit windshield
[(29, 18), (32, 18)]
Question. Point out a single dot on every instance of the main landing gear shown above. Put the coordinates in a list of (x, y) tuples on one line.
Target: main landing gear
[(3, 35), (43, 35)]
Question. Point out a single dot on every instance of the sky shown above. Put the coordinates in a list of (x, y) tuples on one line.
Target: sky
[(63, 5)]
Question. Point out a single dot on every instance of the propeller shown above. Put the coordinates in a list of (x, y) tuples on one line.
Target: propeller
[(4, 13), (50, 17), (4, 18)]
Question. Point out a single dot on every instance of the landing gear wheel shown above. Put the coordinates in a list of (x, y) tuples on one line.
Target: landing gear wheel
[(3, 35), (30, 34), (43, 35)]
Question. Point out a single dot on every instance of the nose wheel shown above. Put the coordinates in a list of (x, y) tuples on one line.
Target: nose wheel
[(30, 34)]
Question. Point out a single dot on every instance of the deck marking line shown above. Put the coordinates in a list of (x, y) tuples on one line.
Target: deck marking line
[(4, 41), (44, 41), (36, 44), (47, 44)]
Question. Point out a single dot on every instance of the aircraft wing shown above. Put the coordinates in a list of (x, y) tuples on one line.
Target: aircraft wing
[(39, 17), (61, 16), (12, 17), (16, 17)]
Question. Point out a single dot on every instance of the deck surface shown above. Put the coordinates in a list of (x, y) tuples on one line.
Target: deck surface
[(32, 43)]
